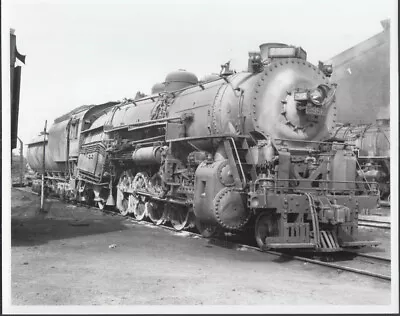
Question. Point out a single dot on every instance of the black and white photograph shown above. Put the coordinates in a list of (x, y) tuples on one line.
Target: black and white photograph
[(199, 156)]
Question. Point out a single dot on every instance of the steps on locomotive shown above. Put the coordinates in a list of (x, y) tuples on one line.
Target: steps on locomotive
[(295, 236)]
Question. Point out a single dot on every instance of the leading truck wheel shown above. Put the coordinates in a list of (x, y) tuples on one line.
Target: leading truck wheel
[(266, 226)]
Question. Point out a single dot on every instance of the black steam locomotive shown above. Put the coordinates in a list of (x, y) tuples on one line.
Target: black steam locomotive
[(251, 150), (363, 74), (372, 147)]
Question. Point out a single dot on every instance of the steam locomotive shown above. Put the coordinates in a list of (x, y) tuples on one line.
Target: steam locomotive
[(237, 151), (363, 74), (372, 146)]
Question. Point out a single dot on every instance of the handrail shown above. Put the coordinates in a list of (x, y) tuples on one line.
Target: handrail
[(240, 163), (314, 188), (153, 96), (310, 180), (142, 124), (328, 141), (207, 137), (140, 127), (369, 187), (314, 218), (173, 118)]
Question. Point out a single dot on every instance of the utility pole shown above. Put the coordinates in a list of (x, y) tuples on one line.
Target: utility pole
[(21, 160), (44, 167)]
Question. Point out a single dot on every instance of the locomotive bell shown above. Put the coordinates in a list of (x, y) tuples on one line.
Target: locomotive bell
[(255, 63)]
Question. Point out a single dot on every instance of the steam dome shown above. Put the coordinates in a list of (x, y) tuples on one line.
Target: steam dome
[(180, 79)]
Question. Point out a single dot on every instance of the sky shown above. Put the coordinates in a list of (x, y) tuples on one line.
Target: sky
[(91, 52)]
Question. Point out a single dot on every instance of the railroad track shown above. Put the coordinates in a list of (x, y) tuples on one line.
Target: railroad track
[(355, 262), (374, 223), (375, 266), (373, 263), (384, 204)]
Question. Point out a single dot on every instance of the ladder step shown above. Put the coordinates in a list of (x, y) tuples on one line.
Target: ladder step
[(229, 148), (238, 154)]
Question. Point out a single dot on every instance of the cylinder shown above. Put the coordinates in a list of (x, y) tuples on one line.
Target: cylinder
[(147, 155)]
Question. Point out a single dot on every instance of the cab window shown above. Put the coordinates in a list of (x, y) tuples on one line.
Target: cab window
[(73, 130)]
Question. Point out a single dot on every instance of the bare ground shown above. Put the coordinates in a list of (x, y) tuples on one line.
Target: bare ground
[(65, 258)]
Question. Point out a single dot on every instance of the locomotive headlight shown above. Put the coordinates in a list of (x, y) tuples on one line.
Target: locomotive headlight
[(316, 96)]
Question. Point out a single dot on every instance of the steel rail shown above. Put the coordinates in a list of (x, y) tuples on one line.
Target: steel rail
[(374, 224), (337, 266), (369, 256), (384, 204)]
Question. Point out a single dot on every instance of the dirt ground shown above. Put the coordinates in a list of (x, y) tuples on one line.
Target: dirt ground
[(381, 235), (78, 256)]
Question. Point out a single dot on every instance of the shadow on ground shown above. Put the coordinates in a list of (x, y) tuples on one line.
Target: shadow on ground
[(31, 227)]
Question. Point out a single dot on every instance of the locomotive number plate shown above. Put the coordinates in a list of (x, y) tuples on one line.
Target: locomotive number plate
[(313, 110)]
